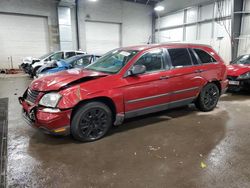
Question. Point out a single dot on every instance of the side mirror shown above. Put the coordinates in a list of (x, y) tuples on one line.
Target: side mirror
[(137, 69)]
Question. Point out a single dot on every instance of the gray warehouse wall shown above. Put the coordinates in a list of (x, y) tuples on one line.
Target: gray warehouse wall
[(135, 19), (174, 5), (136, 23), (45, 8)]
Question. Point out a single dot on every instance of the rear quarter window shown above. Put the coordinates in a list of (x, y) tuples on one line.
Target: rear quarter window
[(204, 56)]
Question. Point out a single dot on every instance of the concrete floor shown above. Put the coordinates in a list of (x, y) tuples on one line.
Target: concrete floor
[(161, 150)]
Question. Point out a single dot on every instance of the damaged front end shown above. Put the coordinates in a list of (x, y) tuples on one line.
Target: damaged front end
[(237, 83), (49, 120), (48, 103)]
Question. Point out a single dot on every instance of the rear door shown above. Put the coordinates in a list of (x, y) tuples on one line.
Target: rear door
[(184, 78)]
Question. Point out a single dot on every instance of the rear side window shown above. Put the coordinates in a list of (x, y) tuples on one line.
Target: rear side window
[(180, 57), (204, 56)]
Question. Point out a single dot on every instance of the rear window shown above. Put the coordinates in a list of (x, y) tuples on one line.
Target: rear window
[(180, 57), (204, 56)]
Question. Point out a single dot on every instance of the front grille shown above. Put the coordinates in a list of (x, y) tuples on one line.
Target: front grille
[(32, 95)]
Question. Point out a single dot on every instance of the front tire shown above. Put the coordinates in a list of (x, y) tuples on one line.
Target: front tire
[(91, 121), (208, 98)]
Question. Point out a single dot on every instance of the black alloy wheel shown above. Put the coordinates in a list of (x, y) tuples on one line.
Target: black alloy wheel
[(91, 121), (208, 98)]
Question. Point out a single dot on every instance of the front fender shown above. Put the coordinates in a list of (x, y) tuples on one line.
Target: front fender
[(74, 95)]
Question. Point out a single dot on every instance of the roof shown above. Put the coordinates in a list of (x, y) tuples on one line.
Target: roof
[(151, 46)]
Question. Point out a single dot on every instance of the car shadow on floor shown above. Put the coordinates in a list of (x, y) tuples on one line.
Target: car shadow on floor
[(129, 124), (151, 119), (133, 123)]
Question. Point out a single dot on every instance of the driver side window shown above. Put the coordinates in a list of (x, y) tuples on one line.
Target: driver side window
[(153, 61)]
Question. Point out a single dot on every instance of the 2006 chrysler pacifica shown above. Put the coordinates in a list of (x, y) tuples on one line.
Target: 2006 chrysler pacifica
[(124, 83)]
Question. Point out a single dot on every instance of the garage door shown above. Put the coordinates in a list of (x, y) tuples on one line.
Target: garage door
[(22, 36), (102, 37)]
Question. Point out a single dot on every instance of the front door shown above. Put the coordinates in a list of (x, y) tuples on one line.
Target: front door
[(147, 90)]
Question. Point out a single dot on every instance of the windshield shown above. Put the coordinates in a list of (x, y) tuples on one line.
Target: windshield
[(46, 55), (244, 59), (113, 61)]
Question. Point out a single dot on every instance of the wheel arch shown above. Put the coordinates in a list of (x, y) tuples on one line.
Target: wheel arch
[(106, 100), (217, 83)]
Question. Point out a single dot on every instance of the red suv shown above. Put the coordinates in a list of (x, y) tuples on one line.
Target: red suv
[(125, 83)]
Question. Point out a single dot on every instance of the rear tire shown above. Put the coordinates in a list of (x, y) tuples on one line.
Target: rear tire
[(208, 98), (91, 122)]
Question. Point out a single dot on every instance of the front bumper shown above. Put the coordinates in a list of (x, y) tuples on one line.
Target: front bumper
[(56, 123), (238, 84)]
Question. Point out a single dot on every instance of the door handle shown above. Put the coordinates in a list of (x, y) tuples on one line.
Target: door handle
[(199, 71), (164, 77)]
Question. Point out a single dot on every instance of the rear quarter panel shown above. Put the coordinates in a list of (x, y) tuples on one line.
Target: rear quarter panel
[(216, 71)]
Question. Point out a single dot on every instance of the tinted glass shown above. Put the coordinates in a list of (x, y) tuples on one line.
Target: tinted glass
[(204, 56), (153, 61), (194, 59), (180, 57)]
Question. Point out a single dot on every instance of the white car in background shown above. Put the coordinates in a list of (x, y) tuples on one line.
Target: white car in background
[(30, 64)]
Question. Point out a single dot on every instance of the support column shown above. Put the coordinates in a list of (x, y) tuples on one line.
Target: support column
[(237, 10)]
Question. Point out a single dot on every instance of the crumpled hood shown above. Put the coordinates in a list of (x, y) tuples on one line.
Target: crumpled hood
[(58, 80), (237, 70)]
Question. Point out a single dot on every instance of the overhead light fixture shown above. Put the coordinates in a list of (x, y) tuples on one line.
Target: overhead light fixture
[(92, 0), (159, 8)]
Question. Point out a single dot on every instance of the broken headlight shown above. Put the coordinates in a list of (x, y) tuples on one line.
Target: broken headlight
[(50, 100), (244, 76)]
